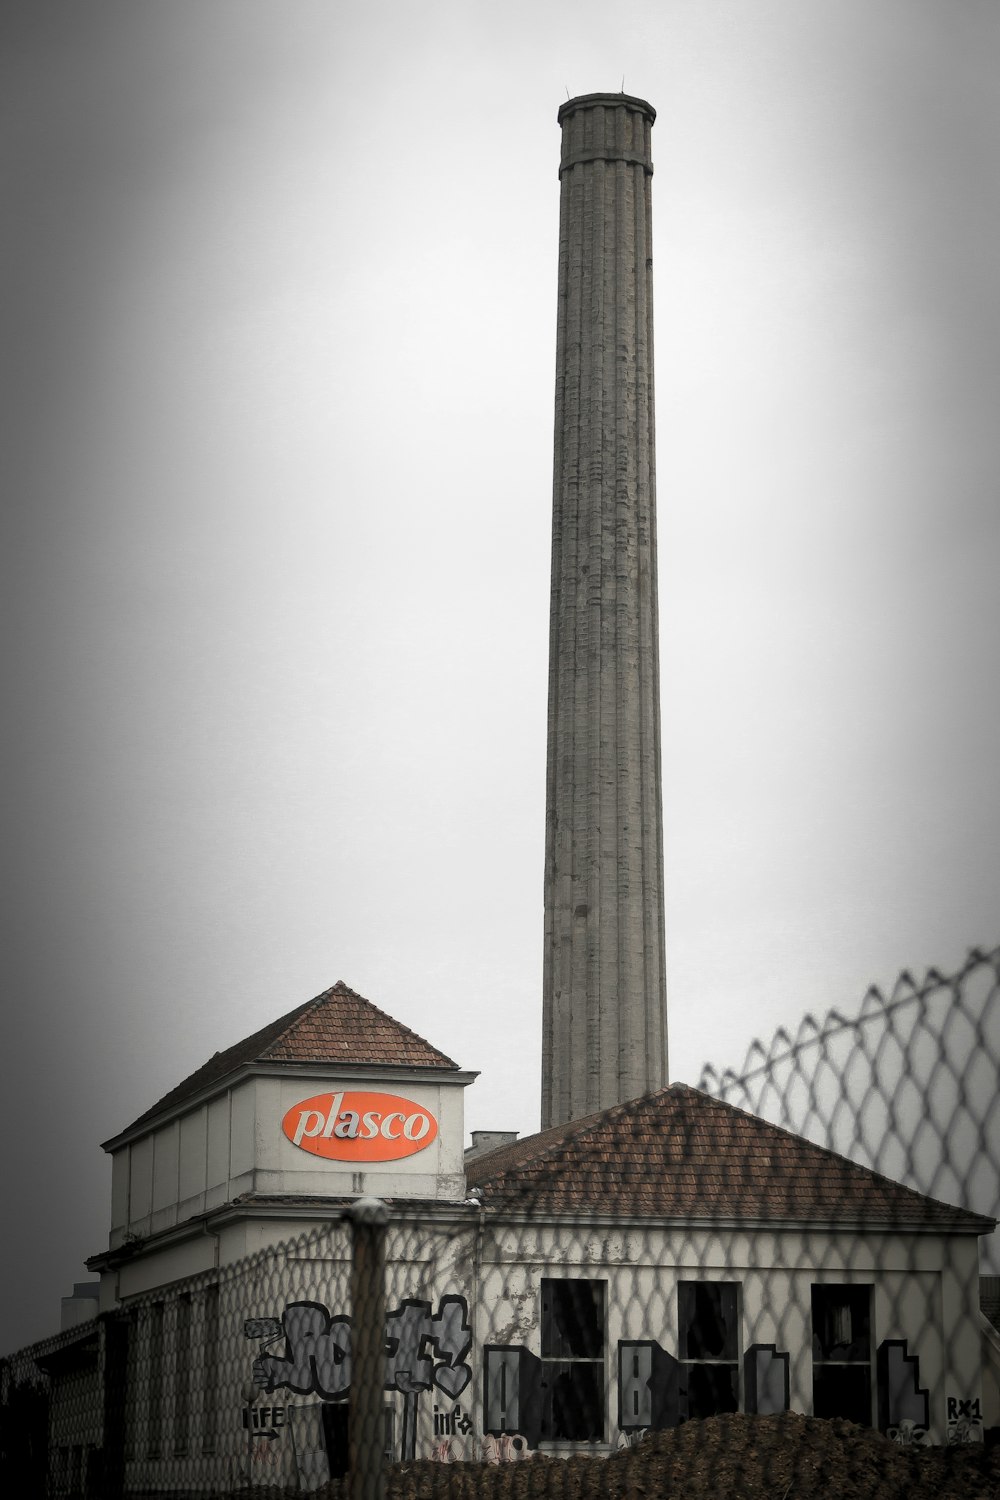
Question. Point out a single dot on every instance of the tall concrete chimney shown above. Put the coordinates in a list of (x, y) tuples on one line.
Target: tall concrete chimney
[(604, 998)]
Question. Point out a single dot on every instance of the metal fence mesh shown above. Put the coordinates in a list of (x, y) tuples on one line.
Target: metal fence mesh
[(909, 1086), (814, 1346)]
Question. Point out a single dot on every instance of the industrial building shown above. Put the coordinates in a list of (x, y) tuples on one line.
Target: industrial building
[(654, 1254), (663, 1259)]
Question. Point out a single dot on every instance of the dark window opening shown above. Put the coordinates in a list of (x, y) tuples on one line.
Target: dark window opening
[(709, 1348), (842, 1380), (573, 1401), (841, 1321), (155, 1388), (843, 1391), (572, 1374), (182, 1376), (335, 1416), (336, 1419), (572, 1319), (711, 1389), (210, 1376)]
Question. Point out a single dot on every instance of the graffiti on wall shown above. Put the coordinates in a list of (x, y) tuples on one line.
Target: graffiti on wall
[(648, 1386), (512, 1378), (631, 1438), (264, 1421), (450, 1423), (965, 1420), (505, 1449), (766, 1379), (308, 1352), (425, 1348), (903, 1405), (317, 1353)]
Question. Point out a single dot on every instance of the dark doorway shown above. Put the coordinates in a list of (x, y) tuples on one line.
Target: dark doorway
[(335, 1416)]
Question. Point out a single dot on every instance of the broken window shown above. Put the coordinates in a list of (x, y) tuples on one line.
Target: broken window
[(573, 1360), (841, 1340), (708, 1347)]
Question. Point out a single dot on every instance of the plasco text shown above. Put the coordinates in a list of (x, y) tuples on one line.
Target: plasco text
[(353, 1126)]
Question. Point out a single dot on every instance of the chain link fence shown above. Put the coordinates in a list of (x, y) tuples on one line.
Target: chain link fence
[(673, 1298), (908, 1087)]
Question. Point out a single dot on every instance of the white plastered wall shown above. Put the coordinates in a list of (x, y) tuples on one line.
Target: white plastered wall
[(921, 1293), (235, 1144)]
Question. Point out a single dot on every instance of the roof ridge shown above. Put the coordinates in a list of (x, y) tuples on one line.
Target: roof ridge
[(292, 1018), (215, 1065), (296, 1038), (342, 988), (555, 1138), (681, 1150)]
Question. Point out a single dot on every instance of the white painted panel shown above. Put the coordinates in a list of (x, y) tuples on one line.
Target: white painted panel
[(166, 1148), (119, 1188), (217, 1154), (241, 1144), (140, 1180), (194, 1130), (171, 1263)]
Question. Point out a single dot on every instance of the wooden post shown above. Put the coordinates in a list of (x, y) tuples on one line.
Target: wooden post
[(366, 1415)]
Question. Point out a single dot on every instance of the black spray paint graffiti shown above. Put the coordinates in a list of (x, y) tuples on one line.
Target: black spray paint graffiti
[(449, 1423), (903, 1404), (427, 1349), (317, 1357), (965, 1420), (423, 1349), (412, 1333)]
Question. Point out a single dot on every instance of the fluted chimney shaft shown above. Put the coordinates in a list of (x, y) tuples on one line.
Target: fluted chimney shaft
[(604, 1005)]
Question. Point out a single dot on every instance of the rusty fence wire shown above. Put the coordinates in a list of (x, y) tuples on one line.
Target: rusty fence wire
[(673, 1298)]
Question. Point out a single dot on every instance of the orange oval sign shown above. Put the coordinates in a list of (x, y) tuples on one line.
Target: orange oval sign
[(354, 1126)]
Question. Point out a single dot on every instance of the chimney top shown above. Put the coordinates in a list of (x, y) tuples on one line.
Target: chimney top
[(609, 101)]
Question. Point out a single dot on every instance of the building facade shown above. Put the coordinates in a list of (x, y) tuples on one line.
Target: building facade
[(657, 1262), (653, 1256)]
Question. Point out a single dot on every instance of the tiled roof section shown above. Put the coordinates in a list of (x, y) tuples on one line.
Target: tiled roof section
[(989, 1299), (338, 1026), (681, 1154)]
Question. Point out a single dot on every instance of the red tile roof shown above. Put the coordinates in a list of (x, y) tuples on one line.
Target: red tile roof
[(338, 1026), (684, 1155)]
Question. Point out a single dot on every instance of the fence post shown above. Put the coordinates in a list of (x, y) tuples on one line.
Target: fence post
[(366, 1420)]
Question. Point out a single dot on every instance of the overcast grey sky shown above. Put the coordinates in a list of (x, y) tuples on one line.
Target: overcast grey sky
[(277, 359)]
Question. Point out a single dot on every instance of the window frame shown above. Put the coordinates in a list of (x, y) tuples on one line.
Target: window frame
[(822, 1363), (729, 1359)]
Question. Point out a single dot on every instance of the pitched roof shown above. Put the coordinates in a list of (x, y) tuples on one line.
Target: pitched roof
[(989, 1299), (338, 1026), (682, 1154)]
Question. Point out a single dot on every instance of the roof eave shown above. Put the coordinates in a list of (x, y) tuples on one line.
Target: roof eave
[(211, 1221), (969, 1224), (269, 1068)]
